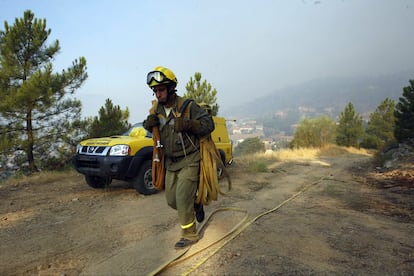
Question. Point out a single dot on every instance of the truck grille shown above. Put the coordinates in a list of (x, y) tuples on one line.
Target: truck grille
[(94, 150)]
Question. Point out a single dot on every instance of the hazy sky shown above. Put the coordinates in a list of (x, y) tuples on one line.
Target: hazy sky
[(244, 48)]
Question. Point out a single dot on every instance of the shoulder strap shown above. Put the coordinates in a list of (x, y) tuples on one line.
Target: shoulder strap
[(183, 107), (185, 104)]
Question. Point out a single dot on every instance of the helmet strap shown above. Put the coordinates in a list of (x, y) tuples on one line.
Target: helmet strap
[(171, 88)]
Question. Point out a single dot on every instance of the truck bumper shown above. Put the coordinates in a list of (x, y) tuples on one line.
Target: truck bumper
[(115, 167)]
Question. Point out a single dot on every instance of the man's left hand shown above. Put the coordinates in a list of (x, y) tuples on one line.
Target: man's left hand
[(183, 124)]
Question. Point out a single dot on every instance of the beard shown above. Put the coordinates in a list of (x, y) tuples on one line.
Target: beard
[(167, 100), (162, 102)]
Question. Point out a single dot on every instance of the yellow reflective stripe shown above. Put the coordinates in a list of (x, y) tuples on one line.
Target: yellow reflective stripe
[(188, 225)]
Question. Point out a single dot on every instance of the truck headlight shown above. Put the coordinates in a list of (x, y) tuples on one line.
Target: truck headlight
[(78, 148), (120, 150)]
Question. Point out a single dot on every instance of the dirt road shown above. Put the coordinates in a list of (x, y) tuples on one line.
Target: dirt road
[(348, 220)]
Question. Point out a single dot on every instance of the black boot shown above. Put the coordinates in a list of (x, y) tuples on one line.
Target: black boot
[(199, 212), (188, 236), (183, 243)]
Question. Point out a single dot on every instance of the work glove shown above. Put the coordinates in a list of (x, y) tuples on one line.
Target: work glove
[(184, 124), (151, 121)]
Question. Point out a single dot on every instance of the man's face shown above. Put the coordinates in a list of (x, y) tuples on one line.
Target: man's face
[(161, 93)]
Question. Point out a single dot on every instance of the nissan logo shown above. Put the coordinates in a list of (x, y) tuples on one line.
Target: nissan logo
[(91, 149)]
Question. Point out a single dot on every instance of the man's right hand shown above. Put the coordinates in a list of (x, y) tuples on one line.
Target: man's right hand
[(151, 121)]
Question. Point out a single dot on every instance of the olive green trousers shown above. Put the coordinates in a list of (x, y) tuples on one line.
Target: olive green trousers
[(180, 191)]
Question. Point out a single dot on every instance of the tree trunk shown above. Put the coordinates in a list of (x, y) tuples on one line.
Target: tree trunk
[(30, 143)]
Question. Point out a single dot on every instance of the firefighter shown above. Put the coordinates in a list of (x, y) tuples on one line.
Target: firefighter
[(180, 145)]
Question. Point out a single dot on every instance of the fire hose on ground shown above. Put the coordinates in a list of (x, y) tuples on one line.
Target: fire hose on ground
[(232, 234)]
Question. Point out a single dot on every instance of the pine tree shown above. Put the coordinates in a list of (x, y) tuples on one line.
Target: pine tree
[(350, 129), (36, 106), (381, 125), (112, 121), (202, 93), (404, 114)]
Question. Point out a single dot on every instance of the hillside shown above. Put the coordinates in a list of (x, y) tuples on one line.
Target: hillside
[(325, 96)]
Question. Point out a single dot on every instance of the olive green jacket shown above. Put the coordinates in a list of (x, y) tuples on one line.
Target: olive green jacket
[(176, 155)]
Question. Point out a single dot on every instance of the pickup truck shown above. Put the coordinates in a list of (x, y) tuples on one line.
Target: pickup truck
[(128, 157)]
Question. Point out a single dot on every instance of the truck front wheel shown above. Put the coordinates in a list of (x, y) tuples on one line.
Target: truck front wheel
[(143, 181)]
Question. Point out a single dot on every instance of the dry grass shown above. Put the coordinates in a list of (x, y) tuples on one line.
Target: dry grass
[(302, 154), (314, 153), (40, 177), (334, 150)]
